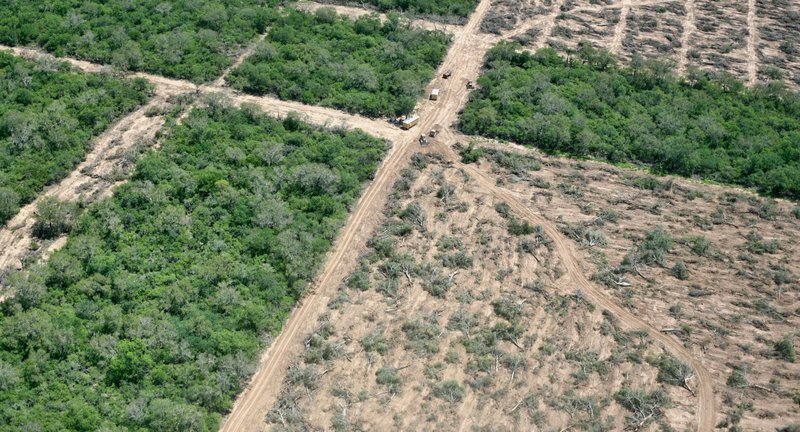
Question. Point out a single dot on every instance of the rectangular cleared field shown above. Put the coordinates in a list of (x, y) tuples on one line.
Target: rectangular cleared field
[(362, 66), (193, 40), (153, 314), (48, 117), (778, 23)]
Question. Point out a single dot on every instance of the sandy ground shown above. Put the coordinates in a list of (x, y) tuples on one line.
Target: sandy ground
[(752, 43), (688, 30)]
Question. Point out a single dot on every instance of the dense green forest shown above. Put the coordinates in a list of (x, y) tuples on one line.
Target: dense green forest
[(48, 116), (185, 39), (360, 66), (446, 10), (705, 126), (153, 315)]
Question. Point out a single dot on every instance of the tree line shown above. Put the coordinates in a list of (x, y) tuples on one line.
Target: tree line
[(362, 66), (48, 117), (153, 315), (706, 125)]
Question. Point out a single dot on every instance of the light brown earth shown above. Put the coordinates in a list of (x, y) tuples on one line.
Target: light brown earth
[(549, 361)]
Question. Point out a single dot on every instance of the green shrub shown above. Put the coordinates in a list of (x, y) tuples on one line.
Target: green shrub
[(680, 271), (784, 349), (448, 390)]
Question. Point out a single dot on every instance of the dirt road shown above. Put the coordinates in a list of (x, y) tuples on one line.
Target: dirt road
[(752, 41), (619, 30), (464, 58), (688, 29)]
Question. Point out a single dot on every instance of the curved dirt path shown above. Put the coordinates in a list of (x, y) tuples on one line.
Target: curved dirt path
[(689, 28), (576, 275), (752, 40), (619, 30)]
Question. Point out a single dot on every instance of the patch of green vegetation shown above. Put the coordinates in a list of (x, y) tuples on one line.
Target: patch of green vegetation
[(48, 117), (362, 66), (182, 39), (704, 125), (153, 315)]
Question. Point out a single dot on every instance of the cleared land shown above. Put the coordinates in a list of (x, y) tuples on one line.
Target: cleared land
[(711, 266), (452, 321), (753, 41)]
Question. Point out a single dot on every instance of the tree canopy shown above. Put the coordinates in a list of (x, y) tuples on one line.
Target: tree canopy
[(48, 116), (154, 313), (184, 39), (362, 66), (705, 125)]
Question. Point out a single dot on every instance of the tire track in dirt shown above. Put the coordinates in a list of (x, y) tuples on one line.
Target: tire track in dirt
[(705, 412), (549, 23), (752, 40), (619, 30), (689, 28), (464, 58)]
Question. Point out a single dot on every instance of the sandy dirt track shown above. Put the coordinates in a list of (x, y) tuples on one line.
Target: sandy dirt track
[(752, 43), (619, 30), (688, 29)]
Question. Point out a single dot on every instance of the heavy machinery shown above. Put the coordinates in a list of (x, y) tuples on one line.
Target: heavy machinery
[(470, 85), (422, 140), (447, 74), (433, 133), (410, 122)]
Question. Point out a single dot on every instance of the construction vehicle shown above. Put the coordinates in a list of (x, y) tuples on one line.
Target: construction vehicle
[(433, 133), (434, 94), (410, 122), (422, 140), (470, 85), (447, 74)]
